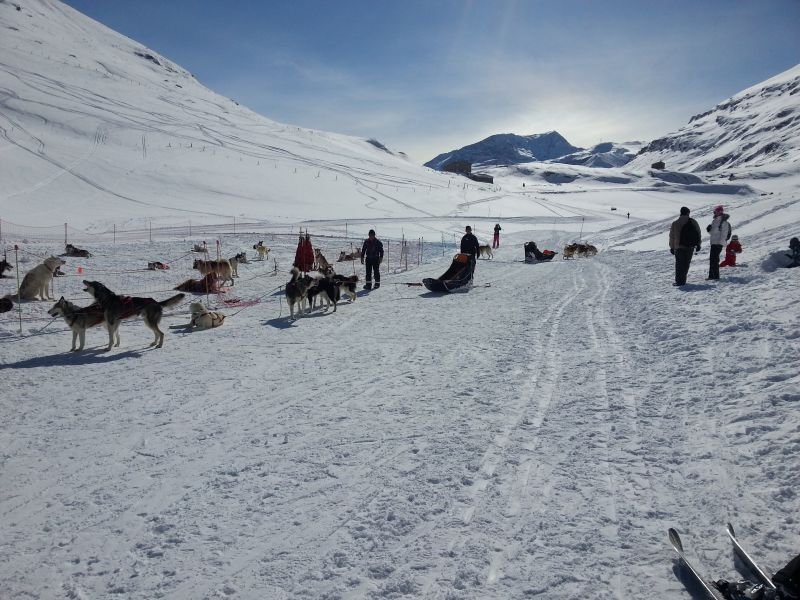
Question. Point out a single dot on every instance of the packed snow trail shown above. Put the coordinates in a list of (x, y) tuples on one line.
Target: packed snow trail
[(532, 438)]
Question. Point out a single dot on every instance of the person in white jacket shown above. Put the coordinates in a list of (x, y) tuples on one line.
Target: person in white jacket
[(720, 231)]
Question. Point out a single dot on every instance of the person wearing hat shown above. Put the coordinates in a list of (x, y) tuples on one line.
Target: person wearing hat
[(372, 252), (684, 240), (731, 250), (469, 244), (720, 231)]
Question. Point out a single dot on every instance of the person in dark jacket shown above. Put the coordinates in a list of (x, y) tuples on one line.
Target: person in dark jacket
[(469, 244), (684, 239), (794, 246), (496, 239), (372, 256)]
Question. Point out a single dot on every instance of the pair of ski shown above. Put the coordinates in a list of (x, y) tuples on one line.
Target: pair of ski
[(705, 583)]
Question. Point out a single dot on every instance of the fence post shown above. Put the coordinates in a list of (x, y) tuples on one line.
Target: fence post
[(150, 228), (115, 233), (19, 302), (65, 234)]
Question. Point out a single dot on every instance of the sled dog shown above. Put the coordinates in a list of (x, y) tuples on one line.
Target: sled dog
[(35, 284), (221, 267), (235, 261), (207, 285), (78, 318), (325, 289), (321, 261), (297, 292), (202, 318), (263, 251), (116, 308), (4, 266), (485, 251)]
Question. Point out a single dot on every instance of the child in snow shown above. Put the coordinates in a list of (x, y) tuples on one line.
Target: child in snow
[(731, 250)]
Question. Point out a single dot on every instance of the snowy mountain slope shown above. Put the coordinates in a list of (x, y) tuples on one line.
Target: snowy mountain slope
[(605, 155), (508, 149), (93, 124), (758, 128)]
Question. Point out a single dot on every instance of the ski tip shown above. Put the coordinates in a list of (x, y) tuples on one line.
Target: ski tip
[(675, 540), (731, 531)]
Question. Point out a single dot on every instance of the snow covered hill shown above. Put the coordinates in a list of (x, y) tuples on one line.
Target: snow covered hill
[(94, 127), (758, 129), (605, 155)]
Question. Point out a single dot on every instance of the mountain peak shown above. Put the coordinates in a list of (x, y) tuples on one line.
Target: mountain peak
[(508, 149)]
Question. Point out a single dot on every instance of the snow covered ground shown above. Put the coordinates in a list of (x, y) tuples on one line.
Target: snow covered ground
[(531, 438)]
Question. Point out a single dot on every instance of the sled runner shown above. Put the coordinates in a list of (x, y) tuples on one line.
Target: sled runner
[(533, 254), (458, 275)]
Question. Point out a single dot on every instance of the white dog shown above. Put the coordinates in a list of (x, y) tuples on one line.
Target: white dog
[(202, 318), (35, 285)]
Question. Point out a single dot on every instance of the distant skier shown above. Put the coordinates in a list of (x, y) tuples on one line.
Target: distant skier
[(684, 239), (720, 231), (496, 239), (731, 250), (794, 246), (787, 582)]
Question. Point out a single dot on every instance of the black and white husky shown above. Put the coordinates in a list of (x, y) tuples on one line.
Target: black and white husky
[(116, 308), (297, 292), (78, 318)]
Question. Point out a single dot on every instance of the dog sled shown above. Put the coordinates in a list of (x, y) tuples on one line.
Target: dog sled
[(533, 254), (457, 276)]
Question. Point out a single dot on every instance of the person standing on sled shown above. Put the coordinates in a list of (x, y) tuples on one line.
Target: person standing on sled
[(720, 231), (496, 239), (304, 255), (787, 584), (684, 239), (731, 250), (372, 252), (470, 245)]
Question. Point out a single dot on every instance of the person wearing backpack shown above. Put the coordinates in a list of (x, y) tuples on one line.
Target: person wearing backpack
[(720, 231), (684, 240)]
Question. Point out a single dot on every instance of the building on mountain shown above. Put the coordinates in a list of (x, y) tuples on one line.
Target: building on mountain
[(659, 164), (461, 167), (482, 177)]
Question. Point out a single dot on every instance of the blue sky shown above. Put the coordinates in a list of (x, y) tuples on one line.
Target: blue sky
[(427, 76)]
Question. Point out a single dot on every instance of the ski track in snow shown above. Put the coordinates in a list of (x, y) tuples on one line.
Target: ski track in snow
[(533, 438)]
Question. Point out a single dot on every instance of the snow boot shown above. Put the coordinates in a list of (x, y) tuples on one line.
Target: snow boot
[(368, 285)]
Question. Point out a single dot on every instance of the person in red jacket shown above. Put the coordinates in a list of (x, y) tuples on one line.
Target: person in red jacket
[(731, 250), (304, 256)]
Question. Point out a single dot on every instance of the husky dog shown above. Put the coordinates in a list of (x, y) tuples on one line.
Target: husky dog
[(326, 289), (485, 251), (36, 281), (78, 318), (235, 261), (4, 266), (297, 292), (320, 260), (343, 256), (346, 285), (116, 308), (221, 267), (200, 248), (263, 251), (5, 305), (207, 285), (70, 250), (157, 266), (202, 318)]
